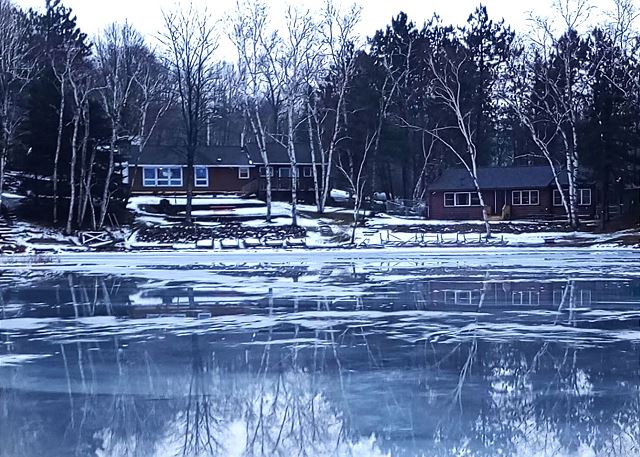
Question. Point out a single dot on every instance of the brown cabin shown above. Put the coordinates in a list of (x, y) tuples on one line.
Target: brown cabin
[(220, 170), (508, 193)]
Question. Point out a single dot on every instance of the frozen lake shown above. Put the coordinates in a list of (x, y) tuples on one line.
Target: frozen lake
[(465, 352)]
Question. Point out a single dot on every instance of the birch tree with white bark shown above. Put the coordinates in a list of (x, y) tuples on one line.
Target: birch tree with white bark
[(153, 97), (447, 90), (118, 67), (288, 64), (81, 82), (16, 71), (528, 92), (559, 42), (332, 70), (254, 41)]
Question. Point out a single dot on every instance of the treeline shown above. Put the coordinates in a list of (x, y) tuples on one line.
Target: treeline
[(385, 114)]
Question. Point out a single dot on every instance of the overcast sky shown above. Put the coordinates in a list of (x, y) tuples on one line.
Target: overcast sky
[(146, 15)]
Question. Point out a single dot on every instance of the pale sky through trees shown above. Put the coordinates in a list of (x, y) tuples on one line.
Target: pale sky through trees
[(146, 15)]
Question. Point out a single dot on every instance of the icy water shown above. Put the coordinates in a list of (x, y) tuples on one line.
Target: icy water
[(443, 353)]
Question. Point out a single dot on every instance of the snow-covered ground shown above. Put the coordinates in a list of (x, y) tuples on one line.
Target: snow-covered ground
[(331, 230), (379, 230)]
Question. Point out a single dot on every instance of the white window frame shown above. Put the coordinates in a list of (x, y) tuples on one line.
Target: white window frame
[(582, 201), (525, 297), (469, 195), (281, 169), (520, 193), (159, 181), (263, 171), (307, 172), (557, 198), (200, 182), (244, 173), (459, 297)]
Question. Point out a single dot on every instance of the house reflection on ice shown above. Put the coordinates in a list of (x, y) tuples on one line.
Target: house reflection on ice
[(519, 293), (342, 362), (69, 295)]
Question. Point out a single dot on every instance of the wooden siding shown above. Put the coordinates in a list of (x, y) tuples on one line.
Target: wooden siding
[(223, 180), (496, 199)]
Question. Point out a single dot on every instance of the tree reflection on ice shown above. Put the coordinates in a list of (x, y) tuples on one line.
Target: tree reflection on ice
[(445, 363)]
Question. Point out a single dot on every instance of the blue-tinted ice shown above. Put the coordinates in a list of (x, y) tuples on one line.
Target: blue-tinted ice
[(414, 355)]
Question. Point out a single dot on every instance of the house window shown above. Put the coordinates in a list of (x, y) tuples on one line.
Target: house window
[(584, 197), (307, 172), (557, 198), (449, 199), (149, 177), (284, 172), (461, 199), (527, 297), (201, 176), (162, 177), (243, 173), (525, 197), (265, 170), (458, 297)]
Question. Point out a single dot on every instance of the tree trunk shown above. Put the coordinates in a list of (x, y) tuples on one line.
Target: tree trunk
[(72, 172), (485, 215), (356, 211), (84, 171), (58, 148), (188, 219), (573, 198), (294, 168), (260, 137), (88, 199), (312, 146), (3, 161), (104, 205)]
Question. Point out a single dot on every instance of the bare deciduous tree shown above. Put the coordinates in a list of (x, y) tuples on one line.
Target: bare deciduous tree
[(82, 86), (119, 65), (327, 126), (253, 42), (531, 105), (447, 90), (568, 86), (16, 71), (296, 46), (153, 98), (190, 43)]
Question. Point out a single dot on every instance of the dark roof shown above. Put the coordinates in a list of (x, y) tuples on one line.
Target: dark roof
[(278, 154), (537, 177), (231, 156), (176, 155)]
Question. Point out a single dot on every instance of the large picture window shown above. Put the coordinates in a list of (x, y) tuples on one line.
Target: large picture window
[(201, 177), (525, 198), (461, 199), (284, 172), (162, 177), (266, 170)]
